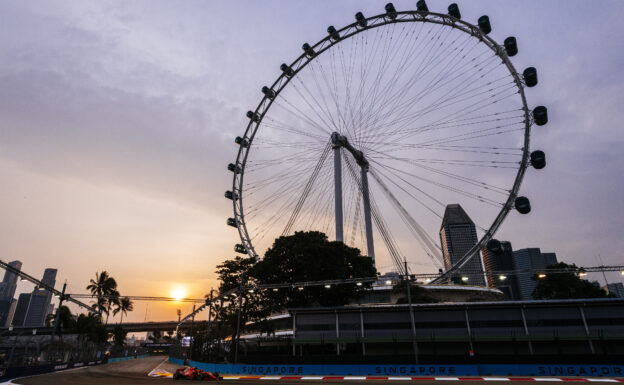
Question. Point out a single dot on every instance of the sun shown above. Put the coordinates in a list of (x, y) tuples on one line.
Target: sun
[(178, 293)]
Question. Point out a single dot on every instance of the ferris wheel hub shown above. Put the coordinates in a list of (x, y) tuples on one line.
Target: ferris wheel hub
[(342, 141)]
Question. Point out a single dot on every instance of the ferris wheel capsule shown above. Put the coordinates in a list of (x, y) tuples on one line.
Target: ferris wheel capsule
[(540, 115), (453, 10), (538, 159), (269, 93), (240, 248), (494, 246), (253, 116), (421, 6), (511, 46), (530, 76), (523, 205), (333, 34), (231, 222), (309, 51), (231, 195), (234, 168), (484, 24), (241, 142), (391, 11), (361, 20), (287, 70)]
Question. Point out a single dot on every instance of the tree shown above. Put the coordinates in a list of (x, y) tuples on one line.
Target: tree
[(310, 256), (567, 285), (155, 337), (113, 300), (124, 305), (90, 328), (66, 318), (104, 287), (232, 274), (119, 335)]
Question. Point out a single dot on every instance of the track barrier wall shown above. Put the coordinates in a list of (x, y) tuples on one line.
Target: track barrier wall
[(25, 371), (413, 370)]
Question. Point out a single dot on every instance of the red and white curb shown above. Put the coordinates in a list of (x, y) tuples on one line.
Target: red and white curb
[(382, 378)]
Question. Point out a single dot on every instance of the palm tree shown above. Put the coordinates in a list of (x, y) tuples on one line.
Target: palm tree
[(104, 287), (113, 299), (124, 306)]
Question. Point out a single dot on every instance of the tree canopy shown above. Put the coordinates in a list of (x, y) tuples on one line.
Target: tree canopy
[(566, 285), (310, 256), (301, 257)]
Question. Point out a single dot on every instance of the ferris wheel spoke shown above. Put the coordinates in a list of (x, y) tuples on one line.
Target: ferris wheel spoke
[(444, 101), (447, 187), (397, 101), (298, 113), (393, 102), (407, 106), (306, 190), (429, 245), (420, 190), (472, 181), (373, 107), (453, 124), (273, 124), (389, 241)]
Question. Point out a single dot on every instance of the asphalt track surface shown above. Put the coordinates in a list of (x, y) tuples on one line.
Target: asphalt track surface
[(136, 372)]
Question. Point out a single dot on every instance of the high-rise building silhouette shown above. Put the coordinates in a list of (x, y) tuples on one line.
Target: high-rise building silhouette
[(7, 292), (21, 309), (616, 288), (499, 270), (458, 235), (528, 262), (39, 303)]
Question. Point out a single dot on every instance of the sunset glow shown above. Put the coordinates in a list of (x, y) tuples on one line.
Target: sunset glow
[(178, 293)]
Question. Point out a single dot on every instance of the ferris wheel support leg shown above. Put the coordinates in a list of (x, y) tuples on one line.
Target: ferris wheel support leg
[(367, 215), (338, 192)]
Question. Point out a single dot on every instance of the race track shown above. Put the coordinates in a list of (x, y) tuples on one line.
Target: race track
[(118, 373), (137, 372)]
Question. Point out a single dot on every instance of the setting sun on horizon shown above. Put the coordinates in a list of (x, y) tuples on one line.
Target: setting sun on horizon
[(178, 293)]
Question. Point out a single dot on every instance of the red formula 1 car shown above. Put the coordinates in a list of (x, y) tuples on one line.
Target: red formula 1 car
[(193, 373)]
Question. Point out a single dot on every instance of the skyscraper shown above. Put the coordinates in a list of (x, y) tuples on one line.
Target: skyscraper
[(40, 299), (457, 235), (9, 283), (527, 262), (502, 261), (21, 309), (616, 289), (7, 292)]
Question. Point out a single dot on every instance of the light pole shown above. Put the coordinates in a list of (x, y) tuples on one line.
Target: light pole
[(411, 311)]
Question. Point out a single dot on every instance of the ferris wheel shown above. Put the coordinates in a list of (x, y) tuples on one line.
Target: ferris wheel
[(370, 133)]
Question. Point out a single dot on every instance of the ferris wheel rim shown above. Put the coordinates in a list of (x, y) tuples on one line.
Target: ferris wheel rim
[(351, 30)]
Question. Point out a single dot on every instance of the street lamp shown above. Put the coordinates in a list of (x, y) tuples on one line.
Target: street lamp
[(541, 276), (502, 277), (465, 279)]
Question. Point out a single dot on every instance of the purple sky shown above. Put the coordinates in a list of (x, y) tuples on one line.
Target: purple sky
[(117, 120)]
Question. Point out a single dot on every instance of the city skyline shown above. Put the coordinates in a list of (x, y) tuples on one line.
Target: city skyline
[(119, 123)]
